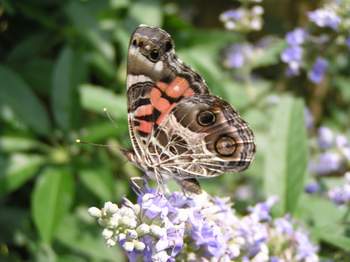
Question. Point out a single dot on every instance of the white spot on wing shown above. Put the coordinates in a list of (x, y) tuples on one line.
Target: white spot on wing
[(158, 66), (133, 79), (176, 88)]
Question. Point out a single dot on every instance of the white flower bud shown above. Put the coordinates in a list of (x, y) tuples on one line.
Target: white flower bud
[(157, 230), (257, 10), (139, 246), (94, 212), (110, 208), (114, 220), (131, 234), (110, 242), (137, 208), (143, 229), (182, 215), (121, 237), (160, 256), (230, 25), (147, 197), (256, 24), (129, 222), (128, 246), (107, 233)]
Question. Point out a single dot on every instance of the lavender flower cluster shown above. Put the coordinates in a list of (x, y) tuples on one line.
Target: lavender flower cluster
[(244, 18), (333, 158), (328, 29), (341, 195), (333, 153), (200, 228)]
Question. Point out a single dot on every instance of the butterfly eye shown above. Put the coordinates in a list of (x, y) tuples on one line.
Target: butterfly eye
[(225, 146), (168, 46), (206, 118), (154, 54)]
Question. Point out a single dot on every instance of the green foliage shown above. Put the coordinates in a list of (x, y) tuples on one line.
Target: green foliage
[(17, 94), (51, 199), (64, 62), (286, 154)]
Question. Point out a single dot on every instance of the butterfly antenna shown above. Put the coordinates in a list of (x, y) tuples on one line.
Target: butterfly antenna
[(109, 116), (78, 141)]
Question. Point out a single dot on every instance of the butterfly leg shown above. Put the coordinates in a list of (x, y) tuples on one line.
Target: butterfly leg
[(139, 184), (130, 155), (190, 185)]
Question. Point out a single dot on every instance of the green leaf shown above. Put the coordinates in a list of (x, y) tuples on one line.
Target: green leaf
[(17, 170), (86, 239), (84, 18), (269, 55), (334, 236), (343, 86), (286, 155), (27, 49), (68, 73), (16, 94), (147, 12), (15, 144), (29, 69), (95, 99), (11, 220), (102, 130), (99, 181), (51, 200)]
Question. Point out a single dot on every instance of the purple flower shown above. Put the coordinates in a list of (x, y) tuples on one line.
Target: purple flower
[(262, 210), (327, 162), (312, 188), (305, 249), (284, 225), (347, 41), (309, 118), (292, 56), (340, 195), (233, 14), (325, 18), (296, 37), (346, 152), (154, 205), (169, 227), (341, 141), (325, 137), (237, 55), (318, 69)]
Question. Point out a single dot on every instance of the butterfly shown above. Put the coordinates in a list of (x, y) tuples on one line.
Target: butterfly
[(177, 128)]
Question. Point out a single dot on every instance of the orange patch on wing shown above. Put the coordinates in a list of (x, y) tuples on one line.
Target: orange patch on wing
[(145, 126), (155, 94), (161, 104), (163, 115), (177, 87), (144, 110), (158, 102), (188, 92), (162, 86)]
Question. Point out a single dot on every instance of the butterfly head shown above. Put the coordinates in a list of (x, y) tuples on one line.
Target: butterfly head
[(151, 42), (149, 51)]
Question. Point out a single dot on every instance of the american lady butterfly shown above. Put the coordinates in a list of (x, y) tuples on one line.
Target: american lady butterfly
[(177, 128)]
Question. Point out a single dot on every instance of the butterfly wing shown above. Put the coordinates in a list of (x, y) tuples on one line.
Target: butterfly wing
[(203, 137), (177, 128), (156, 81)]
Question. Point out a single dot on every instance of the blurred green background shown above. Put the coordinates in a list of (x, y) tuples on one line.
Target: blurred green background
[(62, 62)]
